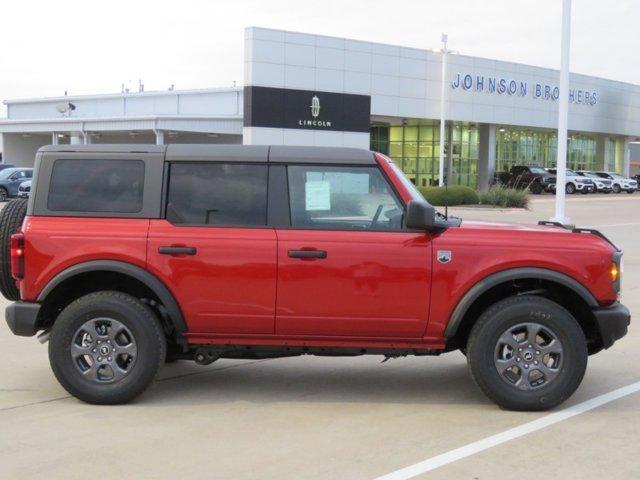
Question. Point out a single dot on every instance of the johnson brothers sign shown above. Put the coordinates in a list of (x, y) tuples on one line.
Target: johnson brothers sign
[(519, 88)]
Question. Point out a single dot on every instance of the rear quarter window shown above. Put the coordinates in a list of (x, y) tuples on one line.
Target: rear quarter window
[(80, 185)]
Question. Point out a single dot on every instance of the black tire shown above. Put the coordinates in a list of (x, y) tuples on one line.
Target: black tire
[(11, 219), (630, 191), (607, 192), (484, 339), (536, 188), (584, 191), (570, 188), (616, 188), (148, 340), (4, 195)]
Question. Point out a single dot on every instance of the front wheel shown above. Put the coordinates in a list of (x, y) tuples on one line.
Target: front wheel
[(4, 195), (616, 188), (570, 188), (527, 353), (106, 347), (536, 188)]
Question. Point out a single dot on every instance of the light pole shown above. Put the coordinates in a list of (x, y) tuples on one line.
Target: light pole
[(563, 115), (443, 102)]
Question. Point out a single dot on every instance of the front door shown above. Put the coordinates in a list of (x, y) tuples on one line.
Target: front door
[(214, 251), (346, 267)]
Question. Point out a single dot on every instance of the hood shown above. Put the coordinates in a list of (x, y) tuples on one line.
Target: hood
[(474, 224)]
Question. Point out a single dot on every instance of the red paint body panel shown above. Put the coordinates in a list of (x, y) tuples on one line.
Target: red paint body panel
[(53, 244), (371, 284), (479, 249), (229, 286)]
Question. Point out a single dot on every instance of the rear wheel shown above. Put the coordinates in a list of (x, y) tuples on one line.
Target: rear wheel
[(527, 353), (11, 219), (106, 347), (4, 195), (630, 191)]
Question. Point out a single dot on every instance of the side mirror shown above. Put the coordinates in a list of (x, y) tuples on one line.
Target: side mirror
[(420, 215)]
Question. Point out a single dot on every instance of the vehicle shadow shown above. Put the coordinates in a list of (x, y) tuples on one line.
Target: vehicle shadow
[(441, 380)]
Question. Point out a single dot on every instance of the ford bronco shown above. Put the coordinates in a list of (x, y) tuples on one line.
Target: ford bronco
[(127, 256)]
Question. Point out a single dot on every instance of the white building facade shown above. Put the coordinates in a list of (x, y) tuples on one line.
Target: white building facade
[(304, 89)]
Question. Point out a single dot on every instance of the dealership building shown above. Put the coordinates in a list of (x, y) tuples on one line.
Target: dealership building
[(305, 89)]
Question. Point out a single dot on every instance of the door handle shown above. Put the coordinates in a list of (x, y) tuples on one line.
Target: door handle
[(307, 253), (175, 250)]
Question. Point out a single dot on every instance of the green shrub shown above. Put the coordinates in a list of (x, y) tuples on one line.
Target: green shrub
[(454, 194), (502, 196)]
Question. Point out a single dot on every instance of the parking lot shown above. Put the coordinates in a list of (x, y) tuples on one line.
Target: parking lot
[(325, 418)]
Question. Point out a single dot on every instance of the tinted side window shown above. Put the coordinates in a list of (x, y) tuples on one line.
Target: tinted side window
[(79, 185), (344, 198), (217, 194)]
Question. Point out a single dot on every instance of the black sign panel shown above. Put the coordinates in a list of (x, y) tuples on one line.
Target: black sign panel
[(287, 108)]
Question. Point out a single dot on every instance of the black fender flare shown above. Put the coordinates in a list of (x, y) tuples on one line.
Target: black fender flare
[(140, 274), (513, 274)]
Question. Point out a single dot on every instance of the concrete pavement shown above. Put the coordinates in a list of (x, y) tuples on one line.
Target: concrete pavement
[(319, 418)]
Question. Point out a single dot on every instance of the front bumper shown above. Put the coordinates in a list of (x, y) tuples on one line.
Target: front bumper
[(23, 194), (613, 322), (22, 318)]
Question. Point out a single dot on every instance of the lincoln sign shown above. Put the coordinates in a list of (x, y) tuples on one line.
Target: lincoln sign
[(306, 109)]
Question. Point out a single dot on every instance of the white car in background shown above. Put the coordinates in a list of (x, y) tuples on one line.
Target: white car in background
[(24, 189), (575, 183), (619, 182), (602, 184)]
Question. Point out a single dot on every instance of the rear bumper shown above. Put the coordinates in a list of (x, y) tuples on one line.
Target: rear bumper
[(22, 318), (613, 322)]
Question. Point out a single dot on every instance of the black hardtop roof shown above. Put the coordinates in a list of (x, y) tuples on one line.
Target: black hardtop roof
[(237, 153)]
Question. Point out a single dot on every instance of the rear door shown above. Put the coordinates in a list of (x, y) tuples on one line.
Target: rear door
[(213, 248), (346, 265)]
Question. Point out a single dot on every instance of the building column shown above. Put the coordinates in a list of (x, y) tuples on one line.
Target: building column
[(602, 152), (448, 173), (76, 138), (159, 137), (54, 138), (486, 155), (627, 157)]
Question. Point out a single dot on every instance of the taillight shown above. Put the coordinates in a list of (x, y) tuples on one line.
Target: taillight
[(17, 256)]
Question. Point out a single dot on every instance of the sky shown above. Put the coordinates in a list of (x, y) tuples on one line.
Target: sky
[(87, 47)]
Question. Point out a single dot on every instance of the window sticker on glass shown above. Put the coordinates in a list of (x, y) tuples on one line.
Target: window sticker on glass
[(317, 195)]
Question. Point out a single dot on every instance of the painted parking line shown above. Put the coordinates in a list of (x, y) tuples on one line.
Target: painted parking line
[(508, 435)]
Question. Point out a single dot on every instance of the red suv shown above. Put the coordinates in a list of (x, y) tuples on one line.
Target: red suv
[(131, 255)]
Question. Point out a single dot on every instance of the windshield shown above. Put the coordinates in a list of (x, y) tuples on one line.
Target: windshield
[(7, 172), (408, 184), (538, 170), (590, 175), (617, 175)]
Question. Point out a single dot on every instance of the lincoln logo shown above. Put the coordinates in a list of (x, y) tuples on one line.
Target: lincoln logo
[(315, 113), (315, 106)]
